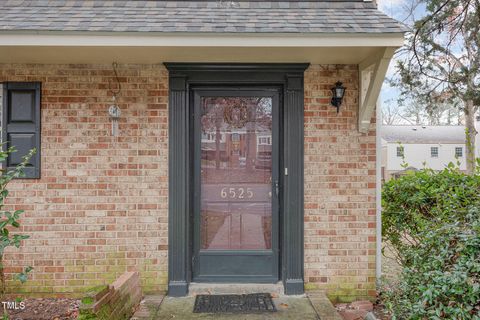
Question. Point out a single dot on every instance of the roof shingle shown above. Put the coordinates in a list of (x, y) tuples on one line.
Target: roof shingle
[(196, 16), (423, 134)]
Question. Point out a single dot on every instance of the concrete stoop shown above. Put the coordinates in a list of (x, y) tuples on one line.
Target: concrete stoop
[(148, 308), (276, 289), (323, 306), (313, 306)]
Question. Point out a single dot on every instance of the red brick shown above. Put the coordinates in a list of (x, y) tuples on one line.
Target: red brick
[(339, 182), (92, 186)]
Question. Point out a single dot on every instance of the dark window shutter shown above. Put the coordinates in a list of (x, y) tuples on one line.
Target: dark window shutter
[(21, 124)]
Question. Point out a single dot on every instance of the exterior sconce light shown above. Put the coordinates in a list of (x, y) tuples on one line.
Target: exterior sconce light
[(114, 112), (337, 95)]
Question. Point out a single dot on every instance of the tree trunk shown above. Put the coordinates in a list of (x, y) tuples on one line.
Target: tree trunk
[(217, 147), (251, 137), (470, 133), (417, 119)]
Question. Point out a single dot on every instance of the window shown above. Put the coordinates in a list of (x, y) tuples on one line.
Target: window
[(400, 152), (264, 141), (21, 124), (458, 152), (211, 137), (434, 152)]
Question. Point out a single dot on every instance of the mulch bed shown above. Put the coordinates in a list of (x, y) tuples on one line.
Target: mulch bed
[(46, 309)]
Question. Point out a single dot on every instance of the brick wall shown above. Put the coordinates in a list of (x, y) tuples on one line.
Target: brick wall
[(100, 207), (339, 188)]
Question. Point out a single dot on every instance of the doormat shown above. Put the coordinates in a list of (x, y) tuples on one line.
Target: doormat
[(234, 303)]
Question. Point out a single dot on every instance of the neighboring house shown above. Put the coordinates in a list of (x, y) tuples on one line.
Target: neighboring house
[(291, 196), (236, 147), (417, 147)]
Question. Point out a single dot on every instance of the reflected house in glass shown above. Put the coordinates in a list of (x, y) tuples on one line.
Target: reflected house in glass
[(236, 192), (243, 132), (225, 161)]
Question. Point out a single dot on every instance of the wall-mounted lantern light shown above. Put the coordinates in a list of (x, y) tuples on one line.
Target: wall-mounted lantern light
[(337, 95)]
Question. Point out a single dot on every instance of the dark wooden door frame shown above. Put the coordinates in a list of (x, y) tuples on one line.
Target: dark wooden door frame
[(182, 76)]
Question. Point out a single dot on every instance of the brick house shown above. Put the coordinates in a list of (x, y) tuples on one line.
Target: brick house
[(291, 197)]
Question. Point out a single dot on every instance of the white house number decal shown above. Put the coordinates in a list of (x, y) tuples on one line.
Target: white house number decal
[(236, 193)]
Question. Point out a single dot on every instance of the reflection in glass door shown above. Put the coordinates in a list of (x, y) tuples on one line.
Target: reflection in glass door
[(236, 185), (236, 173)]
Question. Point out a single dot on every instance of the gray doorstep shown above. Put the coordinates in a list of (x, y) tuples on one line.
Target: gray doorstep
[(235, 288), (313, 306), (293, 308)]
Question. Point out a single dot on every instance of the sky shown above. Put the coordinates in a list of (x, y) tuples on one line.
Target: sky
[(399, 10), (396, 9)]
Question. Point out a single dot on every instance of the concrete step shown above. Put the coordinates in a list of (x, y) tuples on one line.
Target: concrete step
[(323, 306), (235, 288)]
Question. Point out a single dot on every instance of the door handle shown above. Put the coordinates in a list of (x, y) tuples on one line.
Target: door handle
[(277, 188)]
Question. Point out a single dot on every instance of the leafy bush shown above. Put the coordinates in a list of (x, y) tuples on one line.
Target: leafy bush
[(10, 220), (431, 220)]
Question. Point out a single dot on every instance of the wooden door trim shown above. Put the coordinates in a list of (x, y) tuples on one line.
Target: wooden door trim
[(182, 76)]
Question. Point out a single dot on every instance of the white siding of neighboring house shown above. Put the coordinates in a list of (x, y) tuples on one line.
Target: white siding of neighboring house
[(416, 155)]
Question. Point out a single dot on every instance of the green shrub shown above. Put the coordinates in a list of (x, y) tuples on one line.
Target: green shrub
[(421, 200), (9, 221), (431, 220)]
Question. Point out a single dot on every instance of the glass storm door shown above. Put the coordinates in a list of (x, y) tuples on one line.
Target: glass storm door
[(236, 185)]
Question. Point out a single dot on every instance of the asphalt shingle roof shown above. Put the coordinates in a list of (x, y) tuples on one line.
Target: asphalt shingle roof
[(196, 16), (423, 134)]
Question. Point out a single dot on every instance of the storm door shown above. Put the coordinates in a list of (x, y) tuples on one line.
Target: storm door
[(237, 187)]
